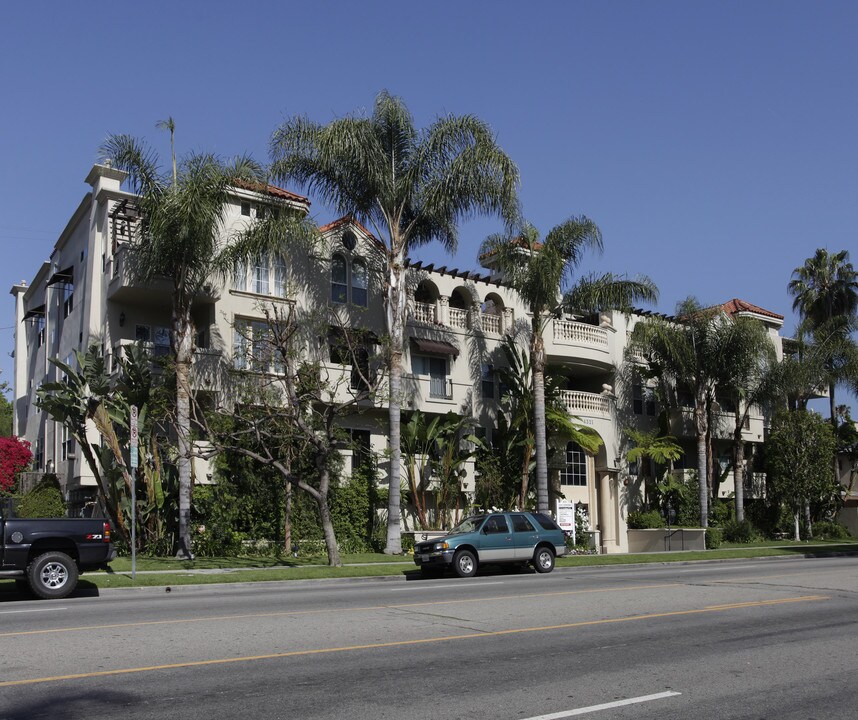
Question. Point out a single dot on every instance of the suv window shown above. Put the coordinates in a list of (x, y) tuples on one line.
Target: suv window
[(495, 525), (521, 524), (546, 522)]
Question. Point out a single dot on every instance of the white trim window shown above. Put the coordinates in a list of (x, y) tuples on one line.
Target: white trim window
[(349, 280), (268, 274), (253, 349), (575, 471)]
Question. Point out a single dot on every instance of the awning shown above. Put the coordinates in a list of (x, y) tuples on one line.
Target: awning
[(439, 347), (35, 312), (66, 277)]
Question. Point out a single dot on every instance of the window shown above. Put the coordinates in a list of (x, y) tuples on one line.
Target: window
[(279, 275), (66, 444), (245, 208), (436, 369), (69, 361), (496, 525), (521, 524), (260, 275), (643, 399), (361, 448), (161, 346), (339, 284), (253, 349), (40, 331), (353, 351), (143, 333), (39, 454), (349, 281), (726, 403), (575, 472), (239, 276), (68, 299), (546, 522), (359, 283), (487, 374)]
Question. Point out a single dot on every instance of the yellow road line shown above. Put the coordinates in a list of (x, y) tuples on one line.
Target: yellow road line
[(403, 643), (286, 613)]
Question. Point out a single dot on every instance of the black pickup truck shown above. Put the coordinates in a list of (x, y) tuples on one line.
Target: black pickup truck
[(47, 555)]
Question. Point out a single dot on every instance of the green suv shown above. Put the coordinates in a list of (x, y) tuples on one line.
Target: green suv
[(498, 538)]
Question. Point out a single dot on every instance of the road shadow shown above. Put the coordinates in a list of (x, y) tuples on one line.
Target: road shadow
[(69, 706), (9, 592), (417, 575)]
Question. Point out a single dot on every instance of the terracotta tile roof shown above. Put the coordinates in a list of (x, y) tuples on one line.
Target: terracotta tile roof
[(736, 306), (351, 220), (272, 190)]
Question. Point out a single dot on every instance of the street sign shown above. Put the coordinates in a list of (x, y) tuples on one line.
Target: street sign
[(134, 457), (134, 431)]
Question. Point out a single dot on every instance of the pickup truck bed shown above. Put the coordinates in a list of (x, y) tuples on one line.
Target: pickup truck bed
[(46, 555)]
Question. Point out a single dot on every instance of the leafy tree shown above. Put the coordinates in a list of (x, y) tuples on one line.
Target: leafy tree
[(45, 500), (410, 187), (660, 449), (181, 240), (686, 352), (536, 271), (517, 407), (799, 454), (5, 414), (454, 446), (15, 456), (825, 292), (748, 377)]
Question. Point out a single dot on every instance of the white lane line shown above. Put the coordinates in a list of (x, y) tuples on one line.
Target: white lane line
[(11, 612), (441, 587), (604, 706)]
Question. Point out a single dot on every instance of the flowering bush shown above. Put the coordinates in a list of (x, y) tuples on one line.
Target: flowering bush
[(15, 456)]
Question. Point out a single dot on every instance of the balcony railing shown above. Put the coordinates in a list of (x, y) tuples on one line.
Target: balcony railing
[(584, 403), (568, 332), (440, 388), (491, 323), (458, 318), (424, 312)]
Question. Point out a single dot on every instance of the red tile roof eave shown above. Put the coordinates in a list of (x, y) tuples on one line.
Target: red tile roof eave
[(735, 306), (272, 190)]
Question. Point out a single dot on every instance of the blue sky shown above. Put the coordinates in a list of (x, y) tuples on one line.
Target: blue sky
[(713, 143)]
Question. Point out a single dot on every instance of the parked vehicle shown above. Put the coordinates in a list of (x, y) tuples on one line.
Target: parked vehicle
[(46, 555), (522, 538)]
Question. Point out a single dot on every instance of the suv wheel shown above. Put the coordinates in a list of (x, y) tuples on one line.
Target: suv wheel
[(543, 560), (465, 563), (52, 575)]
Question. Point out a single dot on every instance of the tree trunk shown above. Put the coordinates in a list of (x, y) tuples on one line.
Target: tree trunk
[(539, 429), (183, 337), (739, 468), (333, 550), (287, 519), (525, 475), (796, 533), (807, 520), (396, 309), (700, 418)]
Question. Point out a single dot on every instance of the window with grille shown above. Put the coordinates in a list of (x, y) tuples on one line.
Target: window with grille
[(575, 471)]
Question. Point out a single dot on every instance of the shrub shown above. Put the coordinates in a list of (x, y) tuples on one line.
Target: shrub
[(828, 530), (43, 501), (720, 512), (650, 520), (736, 531), (713, 538)]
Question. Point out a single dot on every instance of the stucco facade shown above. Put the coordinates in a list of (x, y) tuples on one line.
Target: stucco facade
[(85, 292)]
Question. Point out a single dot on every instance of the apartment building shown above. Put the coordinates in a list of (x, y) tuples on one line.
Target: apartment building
[(86, 292)]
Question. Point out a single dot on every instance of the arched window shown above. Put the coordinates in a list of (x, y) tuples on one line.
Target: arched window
[(339, 279), (575, 471), (359, 282)]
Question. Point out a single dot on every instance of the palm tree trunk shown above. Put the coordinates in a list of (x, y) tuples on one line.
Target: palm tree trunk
[(183, 340), (396, 309), (539, 428), (739, 469), (525, 475), (700, 418)]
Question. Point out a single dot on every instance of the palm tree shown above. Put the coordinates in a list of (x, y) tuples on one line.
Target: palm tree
[(748, 377), (825, 292), (686, 352), (537, 271), (661, 449), (181, 240), (411, 187), (517, 408)]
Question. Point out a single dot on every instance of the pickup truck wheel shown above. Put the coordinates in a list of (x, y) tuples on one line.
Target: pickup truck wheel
[(465, 563), (52, 576), (543, 560)]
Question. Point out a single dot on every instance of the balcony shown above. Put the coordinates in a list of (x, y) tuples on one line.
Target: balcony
[(568, 332), (458, 318), (424, 312), (585, 404), (122, 286), (572, 341)]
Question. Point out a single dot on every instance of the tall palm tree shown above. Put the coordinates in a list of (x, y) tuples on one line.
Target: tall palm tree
[(825, 292), (687, 351), (181, 240), (411, 187), (749, 378), (537, 271)]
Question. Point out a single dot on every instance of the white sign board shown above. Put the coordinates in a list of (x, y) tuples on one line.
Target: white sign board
[(566, 517), (133, 423)]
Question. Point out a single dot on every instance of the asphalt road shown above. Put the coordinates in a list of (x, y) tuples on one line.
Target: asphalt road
[(771, 639)]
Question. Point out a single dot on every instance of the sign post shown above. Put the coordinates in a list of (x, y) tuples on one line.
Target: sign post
[(566, 517), (134, 463)]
